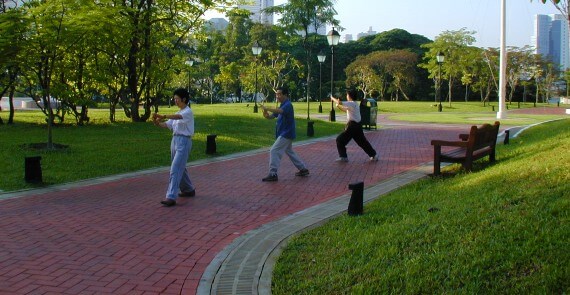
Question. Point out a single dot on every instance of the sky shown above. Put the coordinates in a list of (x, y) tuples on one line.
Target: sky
[(431, 18)]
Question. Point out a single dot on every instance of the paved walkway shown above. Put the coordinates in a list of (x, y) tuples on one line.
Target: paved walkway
[(111, 235)]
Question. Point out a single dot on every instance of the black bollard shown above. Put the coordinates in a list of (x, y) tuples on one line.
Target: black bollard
[(507, 133), (310, 128), (211, 144), (33, 169), (493, 108), (356, 204)]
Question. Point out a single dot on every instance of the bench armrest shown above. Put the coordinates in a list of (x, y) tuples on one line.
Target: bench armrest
[(449, 143)]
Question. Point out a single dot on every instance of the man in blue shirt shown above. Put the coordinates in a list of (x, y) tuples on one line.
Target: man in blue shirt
[(285, 133)]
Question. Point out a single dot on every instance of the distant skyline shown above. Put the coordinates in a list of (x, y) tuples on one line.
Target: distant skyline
[(431, 18)]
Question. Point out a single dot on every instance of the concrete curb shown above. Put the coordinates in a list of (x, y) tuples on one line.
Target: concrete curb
[(246, 265)]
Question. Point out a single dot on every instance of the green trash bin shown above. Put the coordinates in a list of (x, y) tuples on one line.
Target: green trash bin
[(368, 113)]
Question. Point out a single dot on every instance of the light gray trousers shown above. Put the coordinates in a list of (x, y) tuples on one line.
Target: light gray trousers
[(280, 146), (179, 180)]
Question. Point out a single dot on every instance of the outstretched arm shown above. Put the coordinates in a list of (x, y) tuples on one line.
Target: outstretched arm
[(339, 104), (157, 119), (266, 111)]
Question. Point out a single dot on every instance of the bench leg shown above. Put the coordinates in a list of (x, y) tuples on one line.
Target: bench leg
[(468, 165), (492, 156), (436, 160)]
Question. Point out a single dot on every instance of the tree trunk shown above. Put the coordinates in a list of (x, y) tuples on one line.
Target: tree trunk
[(11, 103), (449, 90)]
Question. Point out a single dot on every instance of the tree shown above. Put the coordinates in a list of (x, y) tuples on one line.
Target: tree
[(470, 59), (401, 66), (12, 38), (233, 51), (301, 16), (381, 70), (45, 47), (452, 44), (361, 75), (544, 74), (519, 60), (154, 30)]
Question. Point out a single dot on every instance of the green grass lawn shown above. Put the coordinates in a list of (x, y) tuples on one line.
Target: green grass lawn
[(102, 148), (461, 113), (504, 228)]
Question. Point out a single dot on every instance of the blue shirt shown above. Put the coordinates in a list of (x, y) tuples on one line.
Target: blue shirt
[(286, 121)]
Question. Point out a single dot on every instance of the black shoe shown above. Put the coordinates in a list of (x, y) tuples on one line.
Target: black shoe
[(270, 177), (302, 172), (187, 194), (168, 203)]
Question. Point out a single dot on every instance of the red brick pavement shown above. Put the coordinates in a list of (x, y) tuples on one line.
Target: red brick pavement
[(115, 237), (540, 110)]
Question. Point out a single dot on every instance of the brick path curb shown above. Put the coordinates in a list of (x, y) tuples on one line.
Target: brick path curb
[(246, 265)]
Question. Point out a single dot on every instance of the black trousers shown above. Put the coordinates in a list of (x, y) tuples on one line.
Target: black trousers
[(354, 131)]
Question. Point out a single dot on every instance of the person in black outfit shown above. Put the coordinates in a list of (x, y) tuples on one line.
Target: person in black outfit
[(353, 129)]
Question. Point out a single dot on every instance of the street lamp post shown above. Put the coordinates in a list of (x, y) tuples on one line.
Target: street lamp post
[(256, 49), (189, 63), (440, 58), (321, 57), (332, 37)]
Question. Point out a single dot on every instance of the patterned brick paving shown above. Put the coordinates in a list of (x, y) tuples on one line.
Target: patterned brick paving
[(115, 238)]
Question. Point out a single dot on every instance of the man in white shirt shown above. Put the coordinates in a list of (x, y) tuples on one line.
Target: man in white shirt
[(182, 126)]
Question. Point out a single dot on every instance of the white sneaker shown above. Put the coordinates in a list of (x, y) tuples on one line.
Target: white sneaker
[(374, 159), (342, 159)]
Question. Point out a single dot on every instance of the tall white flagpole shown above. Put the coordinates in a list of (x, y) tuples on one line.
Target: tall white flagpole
[(503, 64)]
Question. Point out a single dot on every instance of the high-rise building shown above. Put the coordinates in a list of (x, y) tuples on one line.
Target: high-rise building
[(370, 32), (551, 39), (256, 11)]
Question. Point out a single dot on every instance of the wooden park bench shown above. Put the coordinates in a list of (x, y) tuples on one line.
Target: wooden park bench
[(480, 142)]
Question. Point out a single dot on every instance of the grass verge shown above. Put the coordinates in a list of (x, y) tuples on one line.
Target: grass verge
[(501, 229)]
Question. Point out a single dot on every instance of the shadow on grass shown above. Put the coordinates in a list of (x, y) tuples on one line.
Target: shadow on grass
[(43, 146)]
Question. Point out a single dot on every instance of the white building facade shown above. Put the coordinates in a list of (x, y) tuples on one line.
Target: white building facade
[(256, 9)]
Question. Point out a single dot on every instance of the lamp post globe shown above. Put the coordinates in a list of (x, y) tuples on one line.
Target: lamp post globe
[(332, 38), (321, 58), (440, 58), (256, 50)]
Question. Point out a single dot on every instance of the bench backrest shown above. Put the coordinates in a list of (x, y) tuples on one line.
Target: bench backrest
[(484, 136)]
